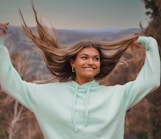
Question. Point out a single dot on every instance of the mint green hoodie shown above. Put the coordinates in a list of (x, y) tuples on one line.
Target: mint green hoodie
[(89, 111)]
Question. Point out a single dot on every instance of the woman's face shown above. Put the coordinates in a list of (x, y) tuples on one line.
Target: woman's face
[(86, 64)]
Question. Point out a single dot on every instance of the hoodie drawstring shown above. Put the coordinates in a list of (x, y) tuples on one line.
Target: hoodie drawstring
[(86, 112), (74, 110), (86, 105)]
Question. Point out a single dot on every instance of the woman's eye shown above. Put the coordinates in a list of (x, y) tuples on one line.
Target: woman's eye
[(96, 58), (84, 58)]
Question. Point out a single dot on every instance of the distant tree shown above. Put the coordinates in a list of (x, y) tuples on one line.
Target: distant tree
[(154, 13), (153, 8), (154, 29)]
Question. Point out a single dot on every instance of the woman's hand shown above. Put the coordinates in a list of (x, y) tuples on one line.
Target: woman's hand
[(3, 29)]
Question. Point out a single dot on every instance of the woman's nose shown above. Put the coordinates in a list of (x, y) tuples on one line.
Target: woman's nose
[(90, 61)]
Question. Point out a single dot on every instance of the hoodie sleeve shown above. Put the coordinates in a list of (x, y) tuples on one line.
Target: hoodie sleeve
[(11, 81), (149, 77)]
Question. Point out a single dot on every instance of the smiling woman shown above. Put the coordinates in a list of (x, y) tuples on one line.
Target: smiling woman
[(77, 106), (86, 65)]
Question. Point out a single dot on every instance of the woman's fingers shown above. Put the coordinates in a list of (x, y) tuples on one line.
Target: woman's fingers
[(3, 28)]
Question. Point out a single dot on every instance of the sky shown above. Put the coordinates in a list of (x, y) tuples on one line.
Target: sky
[(77, 14)]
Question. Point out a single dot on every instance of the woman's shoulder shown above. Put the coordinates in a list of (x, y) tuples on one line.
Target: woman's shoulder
[(52, 84), (51, 87)]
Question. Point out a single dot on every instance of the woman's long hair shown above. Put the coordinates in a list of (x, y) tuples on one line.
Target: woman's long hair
[(57, 57)]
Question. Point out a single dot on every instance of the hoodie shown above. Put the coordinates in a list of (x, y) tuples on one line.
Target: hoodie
[(68, 110)]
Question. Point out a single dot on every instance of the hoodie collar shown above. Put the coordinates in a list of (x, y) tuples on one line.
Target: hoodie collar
[(85, 85)]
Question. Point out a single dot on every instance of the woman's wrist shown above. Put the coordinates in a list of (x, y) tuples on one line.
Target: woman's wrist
[(144, 40)]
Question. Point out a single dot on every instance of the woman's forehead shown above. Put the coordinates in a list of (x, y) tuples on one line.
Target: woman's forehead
[(89, 51)]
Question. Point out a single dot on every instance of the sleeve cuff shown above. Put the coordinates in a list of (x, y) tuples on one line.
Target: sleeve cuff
[(144, 41)]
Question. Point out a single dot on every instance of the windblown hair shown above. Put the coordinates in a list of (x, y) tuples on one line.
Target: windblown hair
[(57, 57)]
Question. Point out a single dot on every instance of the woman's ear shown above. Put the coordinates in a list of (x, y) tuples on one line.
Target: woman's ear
[(72, 65), (72, 62)]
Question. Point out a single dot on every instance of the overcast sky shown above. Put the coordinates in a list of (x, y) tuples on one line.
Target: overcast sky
[(77, 14)]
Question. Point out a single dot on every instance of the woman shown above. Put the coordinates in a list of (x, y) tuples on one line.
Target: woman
[(77, 107)]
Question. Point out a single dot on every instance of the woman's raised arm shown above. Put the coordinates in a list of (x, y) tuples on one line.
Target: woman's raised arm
[(149, 77), (10, 80)]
